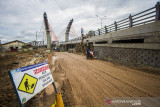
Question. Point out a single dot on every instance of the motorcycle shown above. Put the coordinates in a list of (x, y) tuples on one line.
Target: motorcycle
[(90, 55)]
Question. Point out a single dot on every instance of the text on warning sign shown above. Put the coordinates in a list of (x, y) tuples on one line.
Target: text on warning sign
[(36, 71)]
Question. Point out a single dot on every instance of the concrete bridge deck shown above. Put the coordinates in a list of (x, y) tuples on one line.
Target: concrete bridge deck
[(149, 32), (134, 46)]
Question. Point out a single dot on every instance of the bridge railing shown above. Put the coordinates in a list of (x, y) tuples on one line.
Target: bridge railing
[(144, 17), (122, 24), (148, 16)]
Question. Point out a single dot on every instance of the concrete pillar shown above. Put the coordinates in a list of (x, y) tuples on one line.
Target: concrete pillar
[(47, 30), (64, 47), (66, 37), (48, 40)]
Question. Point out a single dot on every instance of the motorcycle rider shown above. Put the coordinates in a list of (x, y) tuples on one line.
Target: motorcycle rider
[(88, 52)]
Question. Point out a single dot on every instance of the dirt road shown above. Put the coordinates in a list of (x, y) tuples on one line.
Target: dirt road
[(93, 80)]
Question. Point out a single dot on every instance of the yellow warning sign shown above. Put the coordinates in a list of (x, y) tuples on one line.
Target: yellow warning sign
[(28, 84)]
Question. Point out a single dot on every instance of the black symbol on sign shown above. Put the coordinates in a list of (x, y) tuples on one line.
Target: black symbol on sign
[(27, 85)]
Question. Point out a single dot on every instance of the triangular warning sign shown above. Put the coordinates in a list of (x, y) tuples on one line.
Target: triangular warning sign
[(28, 84)]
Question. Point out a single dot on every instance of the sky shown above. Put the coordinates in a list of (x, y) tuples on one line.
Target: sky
[(21, 19)]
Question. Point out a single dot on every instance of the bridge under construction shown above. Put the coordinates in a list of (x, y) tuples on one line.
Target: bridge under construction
[(125, 64), (133, 41), (130, 41)]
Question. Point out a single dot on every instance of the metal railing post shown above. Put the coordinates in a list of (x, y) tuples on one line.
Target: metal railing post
[(105, 29), (115, 24), (94, 33), (157, 6), (99, 32), (130, 21)]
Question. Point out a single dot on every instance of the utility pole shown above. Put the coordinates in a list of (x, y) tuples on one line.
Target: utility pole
[(101, 18), (47, 30), (36, 36)]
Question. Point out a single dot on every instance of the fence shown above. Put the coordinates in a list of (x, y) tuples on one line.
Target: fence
[(147, 16), (144, 17)]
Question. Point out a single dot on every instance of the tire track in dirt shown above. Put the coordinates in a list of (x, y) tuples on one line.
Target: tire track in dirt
[(145, 93), (93, 80), (118, 80), (80, 90)]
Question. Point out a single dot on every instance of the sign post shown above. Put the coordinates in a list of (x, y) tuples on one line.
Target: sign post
[(30, 80)]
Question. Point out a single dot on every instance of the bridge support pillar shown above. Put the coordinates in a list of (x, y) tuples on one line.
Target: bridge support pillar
[(66, 37), (47, 30), (64, 48), (48, 40)]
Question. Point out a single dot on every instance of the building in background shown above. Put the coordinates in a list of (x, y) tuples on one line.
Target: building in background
[(13, 45), (36, 43)]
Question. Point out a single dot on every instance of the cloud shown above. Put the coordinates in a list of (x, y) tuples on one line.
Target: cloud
[(28, 32), (21, 19)]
